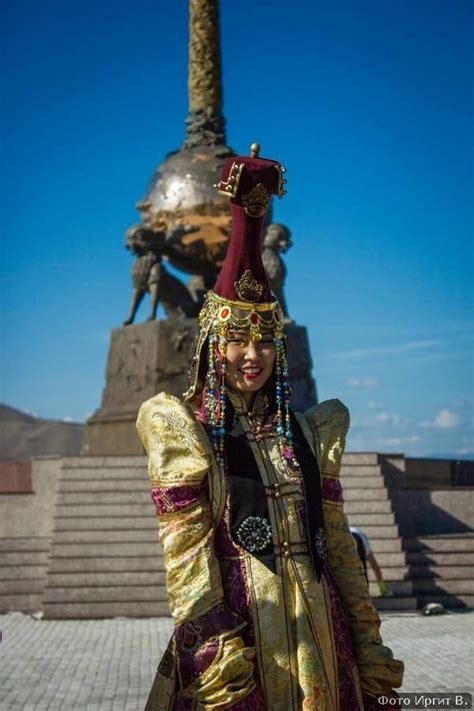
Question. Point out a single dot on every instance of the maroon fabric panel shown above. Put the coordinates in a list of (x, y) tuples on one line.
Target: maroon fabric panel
[(244, 252), (15, 478), (256, 170), (332, 490), (197, 641), (174, 498), (253, 702), (346, 660)]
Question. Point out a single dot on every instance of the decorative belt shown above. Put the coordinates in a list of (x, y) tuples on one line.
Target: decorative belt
[(287, 548), (285, 488)]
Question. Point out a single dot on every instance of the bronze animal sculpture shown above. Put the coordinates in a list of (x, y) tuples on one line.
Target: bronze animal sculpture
[(149, 274), (276, 241)]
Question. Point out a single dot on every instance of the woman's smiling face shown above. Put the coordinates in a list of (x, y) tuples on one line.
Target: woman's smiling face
[(249, 364)]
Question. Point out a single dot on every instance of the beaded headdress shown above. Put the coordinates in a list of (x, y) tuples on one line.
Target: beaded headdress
[(241, 298)]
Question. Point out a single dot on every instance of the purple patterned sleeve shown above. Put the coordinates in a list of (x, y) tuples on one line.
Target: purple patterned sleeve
[(332, 490), (175, 498)]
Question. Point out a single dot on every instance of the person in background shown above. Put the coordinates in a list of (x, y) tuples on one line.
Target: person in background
[(366, 555)]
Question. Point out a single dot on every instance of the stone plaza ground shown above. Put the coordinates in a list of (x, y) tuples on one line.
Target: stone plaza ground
[(108, 665)]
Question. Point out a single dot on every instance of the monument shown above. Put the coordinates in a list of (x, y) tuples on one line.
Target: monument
[(185, 222)]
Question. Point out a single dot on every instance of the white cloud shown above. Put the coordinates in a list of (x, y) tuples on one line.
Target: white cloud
[(388, 350), (398, 441), (362, 382), (67, 419), (374, 405), (446, 420), (392, 419), (406, 347), (465, 450)]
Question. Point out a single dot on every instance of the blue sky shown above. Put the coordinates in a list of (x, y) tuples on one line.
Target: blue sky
[(368, 103)]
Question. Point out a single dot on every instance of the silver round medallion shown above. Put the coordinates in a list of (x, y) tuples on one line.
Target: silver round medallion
[(254, 534)]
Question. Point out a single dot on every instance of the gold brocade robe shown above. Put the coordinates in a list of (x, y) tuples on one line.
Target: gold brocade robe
[(247, 638)]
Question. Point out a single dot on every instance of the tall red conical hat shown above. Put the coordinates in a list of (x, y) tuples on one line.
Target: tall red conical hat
[(249, 182), (241, 297)]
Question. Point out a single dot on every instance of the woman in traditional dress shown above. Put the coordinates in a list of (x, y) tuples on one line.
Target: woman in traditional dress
[(269, 600)]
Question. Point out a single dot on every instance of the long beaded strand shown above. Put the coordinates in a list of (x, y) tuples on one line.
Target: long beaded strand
[(216, 397), (283, 394)]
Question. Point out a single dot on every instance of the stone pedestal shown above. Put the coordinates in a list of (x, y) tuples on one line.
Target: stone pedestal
[(145, 359), (303, 385)]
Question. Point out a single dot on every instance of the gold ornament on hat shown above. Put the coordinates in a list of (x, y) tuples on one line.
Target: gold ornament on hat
[(229, 187), (256, 202), (247, 287)]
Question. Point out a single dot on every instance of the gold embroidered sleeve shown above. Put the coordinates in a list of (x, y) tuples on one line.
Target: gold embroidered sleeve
[(217, 668), (379, 671), (179, 460)]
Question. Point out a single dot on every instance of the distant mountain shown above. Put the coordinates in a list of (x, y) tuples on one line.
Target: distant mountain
[(12, 415), (23, 436)]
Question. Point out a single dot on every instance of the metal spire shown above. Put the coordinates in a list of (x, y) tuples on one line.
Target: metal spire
[(206, 123)]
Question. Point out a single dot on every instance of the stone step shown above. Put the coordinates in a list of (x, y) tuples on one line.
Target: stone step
[(17, 558), (449, 601), (390, 573), (105, 510), (106, 486), (440, 559), (360, 458), (452, 587), (381, 531), (440, 544), (107, 523), (362, 520), (442, 572), (142, 563), (83, 473), (385, 545), (23, 587), (388, 560), (103, 462), (358, 470), (127, 593), (155, 578), (361, 482), (368, 507), (21, 602), (398, 587), (104, 537), (28, 544), (101, 610), (82, 498), (358, 494), (393, 604), (104, 549), (23, 572)]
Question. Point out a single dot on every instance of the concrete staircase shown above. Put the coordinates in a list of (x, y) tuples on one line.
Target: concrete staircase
[(368, 507), (24, 565), (442, 569), (105, 559)]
